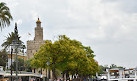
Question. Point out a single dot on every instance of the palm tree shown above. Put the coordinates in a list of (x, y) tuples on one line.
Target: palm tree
[(5, 16), (13, 36), (9, 40)]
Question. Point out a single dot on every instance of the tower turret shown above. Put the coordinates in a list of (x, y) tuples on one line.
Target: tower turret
[(38, 31), (38, 23)]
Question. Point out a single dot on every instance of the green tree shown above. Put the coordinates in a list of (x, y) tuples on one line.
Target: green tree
[(113, 66), (66, 55), (77, 57), (102, 69), (23, 65), (5, 15), (20, 64), (3, 58), (28, 66)]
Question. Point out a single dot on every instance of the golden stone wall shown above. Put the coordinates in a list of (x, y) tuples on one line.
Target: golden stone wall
[(38, 34), (33, 47)]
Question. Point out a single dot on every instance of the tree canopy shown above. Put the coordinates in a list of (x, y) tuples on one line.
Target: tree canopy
[(3, 58), (66, 55), (20, 64)]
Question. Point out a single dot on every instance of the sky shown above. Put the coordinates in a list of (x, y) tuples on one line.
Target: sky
[(109, 27)]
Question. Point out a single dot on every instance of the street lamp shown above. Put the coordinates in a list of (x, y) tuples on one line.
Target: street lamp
[(15, 45)]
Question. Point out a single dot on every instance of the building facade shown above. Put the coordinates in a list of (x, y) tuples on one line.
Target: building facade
[(19, 55)]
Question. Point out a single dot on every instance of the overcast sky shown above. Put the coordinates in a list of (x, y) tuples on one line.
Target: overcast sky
[(108, 26)]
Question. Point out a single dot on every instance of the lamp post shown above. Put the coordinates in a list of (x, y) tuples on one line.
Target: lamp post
[(16, 50), (12, 47), (11, 62), (15, 44)]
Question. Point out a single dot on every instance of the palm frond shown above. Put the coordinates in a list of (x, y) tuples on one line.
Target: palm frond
[(5, 15)]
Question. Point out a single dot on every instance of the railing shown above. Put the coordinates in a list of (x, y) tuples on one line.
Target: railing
[(124, 76)]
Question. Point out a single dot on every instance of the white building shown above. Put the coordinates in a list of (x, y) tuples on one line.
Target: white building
[(20, 55), (121, 74)]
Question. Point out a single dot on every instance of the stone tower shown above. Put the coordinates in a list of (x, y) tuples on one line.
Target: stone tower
[(34, 45)]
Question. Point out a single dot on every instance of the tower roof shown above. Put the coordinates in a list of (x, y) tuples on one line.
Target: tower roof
[(38, 21)]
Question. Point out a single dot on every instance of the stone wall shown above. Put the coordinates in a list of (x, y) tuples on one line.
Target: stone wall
[(38, 34), (33, 47)]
